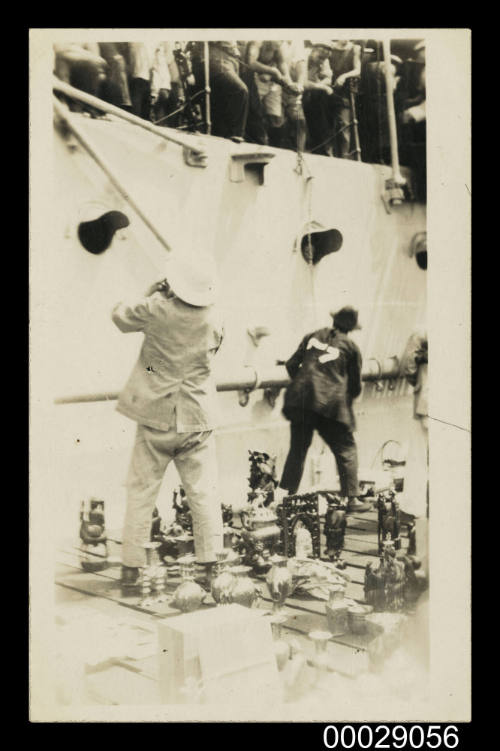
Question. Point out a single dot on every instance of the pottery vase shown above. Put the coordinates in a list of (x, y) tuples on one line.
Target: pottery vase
[(244, 590), (189, 595), (279, 581)]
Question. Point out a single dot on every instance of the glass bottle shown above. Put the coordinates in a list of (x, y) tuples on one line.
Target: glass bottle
[(336, 611), (281, 647)]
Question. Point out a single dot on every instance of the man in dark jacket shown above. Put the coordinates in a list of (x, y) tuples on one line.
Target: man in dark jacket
[(326, 377)]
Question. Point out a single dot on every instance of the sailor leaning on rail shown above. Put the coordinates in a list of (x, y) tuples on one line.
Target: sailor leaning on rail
[(326, 377), (171, 395), (414, 500)]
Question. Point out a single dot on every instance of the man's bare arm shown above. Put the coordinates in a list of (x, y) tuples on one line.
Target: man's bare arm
[(355, 72), (253, 63)]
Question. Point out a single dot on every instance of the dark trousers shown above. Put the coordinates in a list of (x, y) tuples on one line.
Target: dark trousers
[(255, 129), (114, 88), (319, 109), (165, 105), (228, 100), (140, 95), (83, 75), (339, 439)]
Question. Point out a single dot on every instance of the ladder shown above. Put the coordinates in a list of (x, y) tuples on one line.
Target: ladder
[(353, 84)]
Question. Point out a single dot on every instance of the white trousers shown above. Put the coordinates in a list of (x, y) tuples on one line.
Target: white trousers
[(194, 457), (414, 496)]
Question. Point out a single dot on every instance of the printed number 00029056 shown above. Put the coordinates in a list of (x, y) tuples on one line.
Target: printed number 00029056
[(383, 736)]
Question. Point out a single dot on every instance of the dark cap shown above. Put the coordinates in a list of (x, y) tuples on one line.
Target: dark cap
[(346, 318)]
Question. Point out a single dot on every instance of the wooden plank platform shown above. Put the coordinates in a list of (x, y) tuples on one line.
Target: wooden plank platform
[(133, 679), (106, 584), (127, 681), (305, 613)]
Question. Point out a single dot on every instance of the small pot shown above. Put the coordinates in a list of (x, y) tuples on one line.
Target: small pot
[(94, 557), (357, 618)]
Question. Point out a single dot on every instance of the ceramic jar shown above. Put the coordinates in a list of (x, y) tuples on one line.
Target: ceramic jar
[(189, 595), (279, 581), (244, 590)]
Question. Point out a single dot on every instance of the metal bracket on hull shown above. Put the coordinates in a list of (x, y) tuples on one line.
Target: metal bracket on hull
[(376, 376), (244, 394), (244, 397), (194, 158), (393, 381), (252, 160), (393, 194), (166, 134), (389, 371), (256, 334)]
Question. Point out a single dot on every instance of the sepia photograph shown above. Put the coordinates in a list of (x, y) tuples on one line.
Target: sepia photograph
[(249, 488)]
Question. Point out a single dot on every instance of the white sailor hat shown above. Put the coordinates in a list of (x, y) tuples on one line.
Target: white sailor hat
[(192, 278)]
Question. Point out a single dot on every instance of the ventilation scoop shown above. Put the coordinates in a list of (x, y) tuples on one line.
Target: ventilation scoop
[(97, 235)]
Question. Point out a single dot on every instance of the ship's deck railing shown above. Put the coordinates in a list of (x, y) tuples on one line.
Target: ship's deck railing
[(190, 143)]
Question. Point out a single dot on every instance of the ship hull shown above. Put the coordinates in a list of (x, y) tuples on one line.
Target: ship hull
[(254, 231)]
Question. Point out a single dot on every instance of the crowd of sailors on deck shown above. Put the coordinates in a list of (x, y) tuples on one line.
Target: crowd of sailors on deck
[(288, 94)]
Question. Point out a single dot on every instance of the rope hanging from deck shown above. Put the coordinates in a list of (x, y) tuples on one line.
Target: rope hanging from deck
[(300, 167)]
